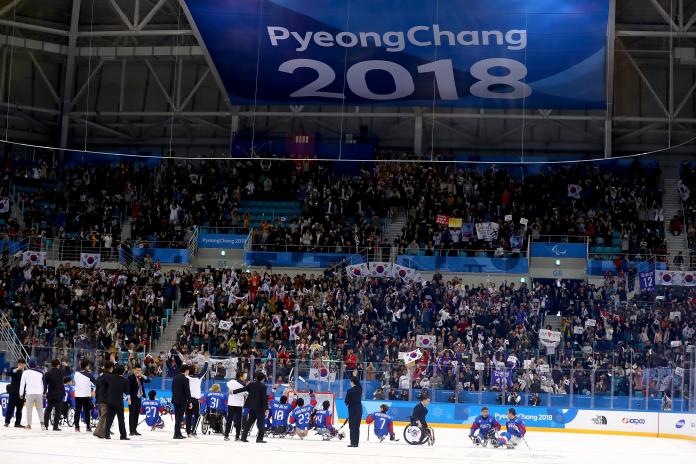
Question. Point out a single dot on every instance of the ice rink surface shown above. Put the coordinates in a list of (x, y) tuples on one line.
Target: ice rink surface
[(452, 446)]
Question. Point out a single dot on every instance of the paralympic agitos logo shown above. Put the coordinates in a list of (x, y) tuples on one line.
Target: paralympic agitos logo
[(627, 420)]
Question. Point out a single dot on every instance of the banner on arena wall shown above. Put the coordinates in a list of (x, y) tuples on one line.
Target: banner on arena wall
[(559, 250), (647, 280), (426, 341), (230, 241), (322, 374), (468, 53), (487, 230), (90, 260), (675, 278), (37, 258)]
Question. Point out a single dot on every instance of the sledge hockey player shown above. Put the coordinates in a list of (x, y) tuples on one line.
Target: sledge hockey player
[(301, 418), (279, 414), (515, 430), (153, 409), (213, 408), (484, 428), (323, 423), (384, 424)]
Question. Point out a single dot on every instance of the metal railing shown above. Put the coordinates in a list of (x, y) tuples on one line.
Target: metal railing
[(9, 341)]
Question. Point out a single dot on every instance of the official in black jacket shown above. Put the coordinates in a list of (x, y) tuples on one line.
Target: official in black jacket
[(100, 397), (15, 403), (257, 403), (353, 401), (136, 387), (181, 398), (54, 386), (116, 387)]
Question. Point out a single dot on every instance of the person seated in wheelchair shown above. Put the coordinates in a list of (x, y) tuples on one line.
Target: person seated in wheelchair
[(68, 399), (214, 409), (323, 423), (484, 428), (418, 419), (279, 412)]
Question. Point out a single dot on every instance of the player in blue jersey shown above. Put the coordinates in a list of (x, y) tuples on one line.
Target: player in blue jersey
[(384, 423), (4, 402), (279, 415), (301, 418), (214, 409), (153, 408), (484, 428), (323, 422), (515, 430), (68, 398)]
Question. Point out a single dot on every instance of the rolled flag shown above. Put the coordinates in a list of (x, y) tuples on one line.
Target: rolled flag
[(410, 358), (574, 190), (37, 258), (90, 260)]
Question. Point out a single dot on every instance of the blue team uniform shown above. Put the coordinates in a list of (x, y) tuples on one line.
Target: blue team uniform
[(279, 413), (69, 397), (214, 401), (301, 417), (323, 419), (4, 401), (152, 410), (484, 425), (383, 423), (515, 430)]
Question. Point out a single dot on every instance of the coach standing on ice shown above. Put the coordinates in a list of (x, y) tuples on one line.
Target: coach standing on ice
[(181, 399), (257, 403), (354, 402)]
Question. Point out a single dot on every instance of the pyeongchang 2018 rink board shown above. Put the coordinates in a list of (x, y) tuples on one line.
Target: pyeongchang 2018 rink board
[(468, 53)]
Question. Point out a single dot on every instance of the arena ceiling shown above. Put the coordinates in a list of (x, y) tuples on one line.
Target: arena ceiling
[(132, 75)]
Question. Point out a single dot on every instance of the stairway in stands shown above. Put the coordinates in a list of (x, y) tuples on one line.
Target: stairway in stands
[(672, 205), (394, 229), (168, 338), (553, 320)]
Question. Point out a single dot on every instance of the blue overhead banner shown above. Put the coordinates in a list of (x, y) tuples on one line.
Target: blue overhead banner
[(559, 250), (221, 241), (468, 53)]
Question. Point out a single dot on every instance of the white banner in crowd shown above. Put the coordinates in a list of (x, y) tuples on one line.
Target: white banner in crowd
[(37, 258), (675, 278), (487, 231), (90, 260), (549, 336), (383, 269), (426, 341)]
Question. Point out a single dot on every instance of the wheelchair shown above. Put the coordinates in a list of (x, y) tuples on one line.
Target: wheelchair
[(213, 422), (67, 416), (415, 435)]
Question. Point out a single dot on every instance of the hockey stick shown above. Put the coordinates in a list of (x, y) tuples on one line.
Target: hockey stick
[(368, 432), (525, 442)]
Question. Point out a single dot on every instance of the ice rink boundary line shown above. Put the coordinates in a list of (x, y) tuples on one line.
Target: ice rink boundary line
[(554, 430)]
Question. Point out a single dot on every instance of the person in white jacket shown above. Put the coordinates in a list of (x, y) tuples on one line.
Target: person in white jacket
[(84, 382), (31, 390), (235, 405), (194, 412)]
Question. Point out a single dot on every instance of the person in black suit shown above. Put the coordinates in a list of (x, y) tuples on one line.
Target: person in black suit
[(100, 397), (353, 401), (116, 387), (54, 389), (181, 399), (15, 403), (257, 404), (137, 392)]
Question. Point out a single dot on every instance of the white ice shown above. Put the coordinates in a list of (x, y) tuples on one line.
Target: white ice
[(452, 446)]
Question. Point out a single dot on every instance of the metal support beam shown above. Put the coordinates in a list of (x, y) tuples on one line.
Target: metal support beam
[(160, 85), (119, 12), (7, 8), (418, 131), (48, 83), (643, 78), (79, 93), (668, 19), (69, 80), (609, 76), (151, 14)]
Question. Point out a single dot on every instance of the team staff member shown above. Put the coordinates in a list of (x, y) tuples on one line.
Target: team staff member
[(194, 412), (31, 391), (353, 401), (257, 404), (84, 380), (181, 399), (54, 381), (235, 405), (137, 392), (100, 396), (116, 388), (15, 403)]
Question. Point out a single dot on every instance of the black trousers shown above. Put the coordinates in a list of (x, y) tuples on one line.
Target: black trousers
[(14, 408), (83, 403), (354, 426), (234, 414), (112, 411), (134, 414), (56, 406), (179, 410), (192, 416), (259, 417)]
